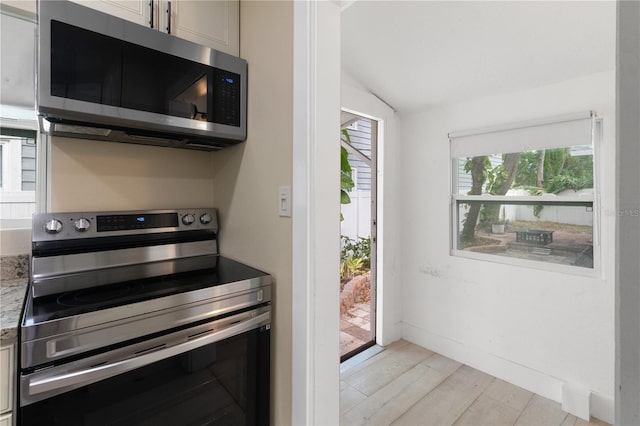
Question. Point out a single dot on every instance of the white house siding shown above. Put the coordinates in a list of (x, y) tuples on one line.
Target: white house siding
[(357, 214), (17, 195), (360, 136), (28, 165), (538, 329)]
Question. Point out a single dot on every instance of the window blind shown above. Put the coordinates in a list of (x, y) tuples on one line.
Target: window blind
[(547, 133)]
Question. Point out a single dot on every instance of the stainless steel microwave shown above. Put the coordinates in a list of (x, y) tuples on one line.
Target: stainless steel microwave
[(102, 77)]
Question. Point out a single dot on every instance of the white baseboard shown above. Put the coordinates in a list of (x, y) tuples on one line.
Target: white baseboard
[(601, 406), (390, 334), (576, 400)]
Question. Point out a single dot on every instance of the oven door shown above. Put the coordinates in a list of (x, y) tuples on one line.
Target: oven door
[(216, 373)]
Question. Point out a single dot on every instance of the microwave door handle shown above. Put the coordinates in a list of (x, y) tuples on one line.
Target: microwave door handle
[(168, 17), (73, 379)]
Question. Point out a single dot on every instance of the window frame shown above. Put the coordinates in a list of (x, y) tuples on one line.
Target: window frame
[(11, 154), (594, 199), (21, 123)]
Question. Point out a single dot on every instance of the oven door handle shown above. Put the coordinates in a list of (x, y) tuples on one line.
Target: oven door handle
[(74, 379)]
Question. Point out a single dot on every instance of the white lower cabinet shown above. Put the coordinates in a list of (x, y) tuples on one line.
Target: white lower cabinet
[(6, 420), (6, 383)]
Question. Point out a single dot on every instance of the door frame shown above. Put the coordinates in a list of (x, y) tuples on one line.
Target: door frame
[(315, 214), (375, 259)]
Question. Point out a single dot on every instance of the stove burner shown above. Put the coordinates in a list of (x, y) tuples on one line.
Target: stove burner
[(93, 295)]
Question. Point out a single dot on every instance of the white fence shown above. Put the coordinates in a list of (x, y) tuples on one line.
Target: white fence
[(578, 215), (357, 215), (16, 209), (574, 215)]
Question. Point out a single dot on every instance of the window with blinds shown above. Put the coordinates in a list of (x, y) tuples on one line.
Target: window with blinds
[(524, 193)]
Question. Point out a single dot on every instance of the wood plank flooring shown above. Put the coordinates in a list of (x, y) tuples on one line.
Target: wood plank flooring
[(409, 385)]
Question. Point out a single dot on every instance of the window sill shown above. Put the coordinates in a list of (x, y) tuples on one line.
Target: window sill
[(530, 264)]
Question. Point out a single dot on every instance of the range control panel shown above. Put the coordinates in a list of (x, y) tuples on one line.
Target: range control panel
[(63, 226)]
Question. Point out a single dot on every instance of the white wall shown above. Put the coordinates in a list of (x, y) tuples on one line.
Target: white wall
[(389, 283), (246, 177), (89, 175), (533, 328), (15, 241)]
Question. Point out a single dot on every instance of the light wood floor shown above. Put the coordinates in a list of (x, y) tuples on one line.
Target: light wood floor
[(409, 385)]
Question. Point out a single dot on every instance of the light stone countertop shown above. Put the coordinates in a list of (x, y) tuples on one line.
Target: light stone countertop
[(12, 294), (14, 273)]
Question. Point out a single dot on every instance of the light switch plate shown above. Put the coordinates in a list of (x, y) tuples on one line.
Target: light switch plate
[(284, 201)]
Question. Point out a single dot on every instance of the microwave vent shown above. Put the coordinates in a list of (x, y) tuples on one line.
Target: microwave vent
[(81, 130)]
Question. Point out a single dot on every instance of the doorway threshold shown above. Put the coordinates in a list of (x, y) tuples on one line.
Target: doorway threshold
[(361, 357)]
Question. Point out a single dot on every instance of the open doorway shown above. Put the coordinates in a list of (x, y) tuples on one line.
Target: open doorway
[(358, 237)]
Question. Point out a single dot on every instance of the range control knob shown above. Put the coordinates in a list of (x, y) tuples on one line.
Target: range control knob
[(82, 225), (205, 218), (188, 219), (53, 226)]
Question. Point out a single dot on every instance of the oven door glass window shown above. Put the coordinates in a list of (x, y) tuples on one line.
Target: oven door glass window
[(223, 383)]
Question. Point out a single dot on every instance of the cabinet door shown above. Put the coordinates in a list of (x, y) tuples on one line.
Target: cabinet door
[(6, 420), (214, 24), (138, 11), (6, 378), (27, 6)]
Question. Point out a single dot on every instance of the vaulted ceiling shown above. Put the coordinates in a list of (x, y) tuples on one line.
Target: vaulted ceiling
[(416, 54)]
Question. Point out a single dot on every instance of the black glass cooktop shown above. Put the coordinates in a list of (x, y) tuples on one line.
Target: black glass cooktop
[(222, 271)]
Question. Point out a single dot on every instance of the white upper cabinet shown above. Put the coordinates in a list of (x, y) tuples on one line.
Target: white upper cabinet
[(25, 8), (215, 24), (138, 11)]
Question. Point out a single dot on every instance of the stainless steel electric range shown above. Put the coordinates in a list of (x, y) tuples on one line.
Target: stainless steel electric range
[(133, 318)]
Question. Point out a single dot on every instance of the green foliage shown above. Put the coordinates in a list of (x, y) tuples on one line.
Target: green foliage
[(355, 256), (560, 183), (350, 267), (346, 181), (562, 171), (554, 161), (527, 173), (495, 177), (537, 209), (534, 190), (360, 248), (481, 177), (576, 174), (488, 215)]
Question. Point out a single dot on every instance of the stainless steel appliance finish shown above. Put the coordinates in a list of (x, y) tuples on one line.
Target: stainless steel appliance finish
[(120, 300), (102, 77), (55, 380), (60, 338), (75, 269)]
